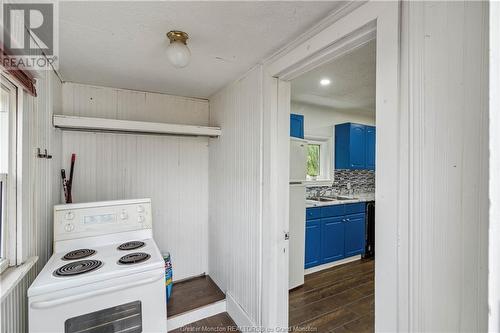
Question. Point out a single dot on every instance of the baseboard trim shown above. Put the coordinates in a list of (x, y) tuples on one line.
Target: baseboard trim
[(196, 314), (236, 312), (331, 264)]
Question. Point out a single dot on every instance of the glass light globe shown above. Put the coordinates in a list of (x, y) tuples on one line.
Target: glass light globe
[(178, 54)]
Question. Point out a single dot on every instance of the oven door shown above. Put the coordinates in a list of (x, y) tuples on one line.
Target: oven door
[(134, 303)]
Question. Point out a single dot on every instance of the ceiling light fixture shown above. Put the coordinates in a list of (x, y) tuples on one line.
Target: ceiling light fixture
[(325, 82), (177, 51)]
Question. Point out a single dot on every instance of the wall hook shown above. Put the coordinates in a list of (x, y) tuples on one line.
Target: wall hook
[(39, 153)]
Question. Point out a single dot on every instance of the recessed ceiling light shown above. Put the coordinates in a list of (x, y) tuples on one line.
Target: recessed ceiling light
[(325, 82)]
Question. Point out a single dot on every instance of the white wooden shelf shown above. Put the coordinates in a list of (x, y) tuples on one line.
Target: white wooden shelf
[(129, 126)]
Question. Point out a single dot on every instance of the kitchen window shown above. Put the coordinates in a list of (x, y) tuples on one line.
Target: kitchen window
[(318, 158), (8, 172), (313, 160)]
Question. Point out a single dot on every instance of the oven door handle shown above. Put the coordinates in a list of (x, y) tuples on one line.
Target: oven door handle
[(59, 301)]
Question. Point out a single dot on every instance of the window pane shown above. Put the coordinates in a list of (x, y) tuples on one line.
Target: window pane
[(313, 153)]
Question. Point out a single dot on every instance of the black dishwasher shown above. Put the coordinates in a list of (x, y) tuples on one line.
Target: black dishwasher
[(370, 230)]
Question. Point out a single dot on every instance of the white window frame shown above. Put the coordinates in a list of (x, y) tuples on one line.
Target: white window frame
[(324, 158), (10, 213), (4, 262)]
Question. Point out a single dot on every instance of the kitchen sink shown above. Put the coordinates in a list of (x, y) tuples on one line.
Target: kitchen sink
[(336, 198), (345, 198), (321, 199)]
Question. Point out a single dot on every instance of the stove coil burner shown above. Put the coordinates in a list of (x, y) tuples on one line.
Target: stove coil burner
[(131, 245), (78, 254), (134, 258), (78, 267)]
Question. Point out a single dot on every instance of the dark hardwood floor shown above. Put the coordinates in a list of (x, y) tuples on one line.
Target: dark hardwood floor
[(218, 323), (193, 293), (339, 299)]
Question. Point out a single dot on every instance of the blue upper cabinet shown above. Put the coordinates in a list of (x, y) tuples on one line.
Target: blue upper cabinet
[(354, 146), (297, 125), (370, 147)]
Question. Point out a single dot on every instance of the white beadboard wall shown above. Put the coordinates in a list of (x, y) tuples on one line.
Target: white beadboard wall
[(171, 170), (41, 191), (103, 102), (448, 114), (235, 193), (15, 306)]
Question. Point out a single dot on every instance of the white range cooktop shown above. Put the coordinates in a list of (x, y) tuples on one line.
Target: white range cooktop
[(109, 255)]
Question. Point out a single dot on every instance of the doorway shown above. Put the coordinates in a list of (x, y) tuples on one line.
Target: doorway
[(332, 194), (363, 23)]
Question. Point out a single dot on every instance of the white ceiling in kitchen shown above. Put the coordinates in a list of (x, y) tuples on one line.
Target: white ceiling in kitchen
[(352, 84), (122, 44)]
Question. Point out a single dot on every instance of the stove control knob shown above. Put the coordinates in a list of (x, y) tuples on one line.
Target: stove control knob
[(69, 216), (69, 227), (140, 209), (141, 219), (124, 215)]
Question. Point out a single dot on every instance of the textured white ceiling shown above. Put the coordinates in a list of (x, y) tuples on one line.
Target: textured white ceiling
[(122, 44), (352, 82)]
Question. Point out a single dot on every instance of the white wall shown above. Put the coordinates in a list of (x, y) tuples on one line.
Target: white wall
[(319, 121), (235, 195), (172, 171), (445, 44), (319, 124)]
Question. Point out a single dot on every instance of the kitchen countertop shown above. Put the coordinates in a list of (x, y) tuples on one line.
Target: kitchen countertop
[(360, 197)]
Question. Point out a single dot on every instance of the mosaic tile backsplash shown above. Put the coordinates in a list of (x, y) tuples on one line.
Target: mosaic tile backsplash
[(362, 181)]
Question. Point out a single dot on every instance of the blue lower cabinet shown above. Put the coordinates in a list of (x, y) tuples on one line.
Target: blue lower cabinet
[(332, 240), (313, 243), (354, 234), (333, 233)]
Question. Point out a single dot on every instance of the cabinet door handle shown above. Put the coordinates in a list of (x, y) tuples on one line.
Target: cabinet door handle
[(347, 220)]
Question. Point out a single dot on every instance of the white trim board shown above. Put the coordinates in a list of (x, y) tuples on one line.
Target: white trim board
[(331, 264), (236, 312), (494, 171), (196, 314)]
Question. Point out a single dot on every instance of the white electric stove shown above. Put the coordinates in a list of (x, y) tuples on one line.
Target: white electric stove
[(106, 273)]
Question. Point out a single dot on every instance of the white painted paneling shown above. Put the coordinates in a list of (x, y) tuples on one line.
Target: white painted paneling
[(446, 50), (14, 307), (235, 193), (172, 171), (104, 102)]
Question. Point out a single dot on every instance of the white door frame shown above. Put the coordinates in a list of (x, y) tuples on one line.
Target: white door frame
[(494, 169), (391, 269)]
